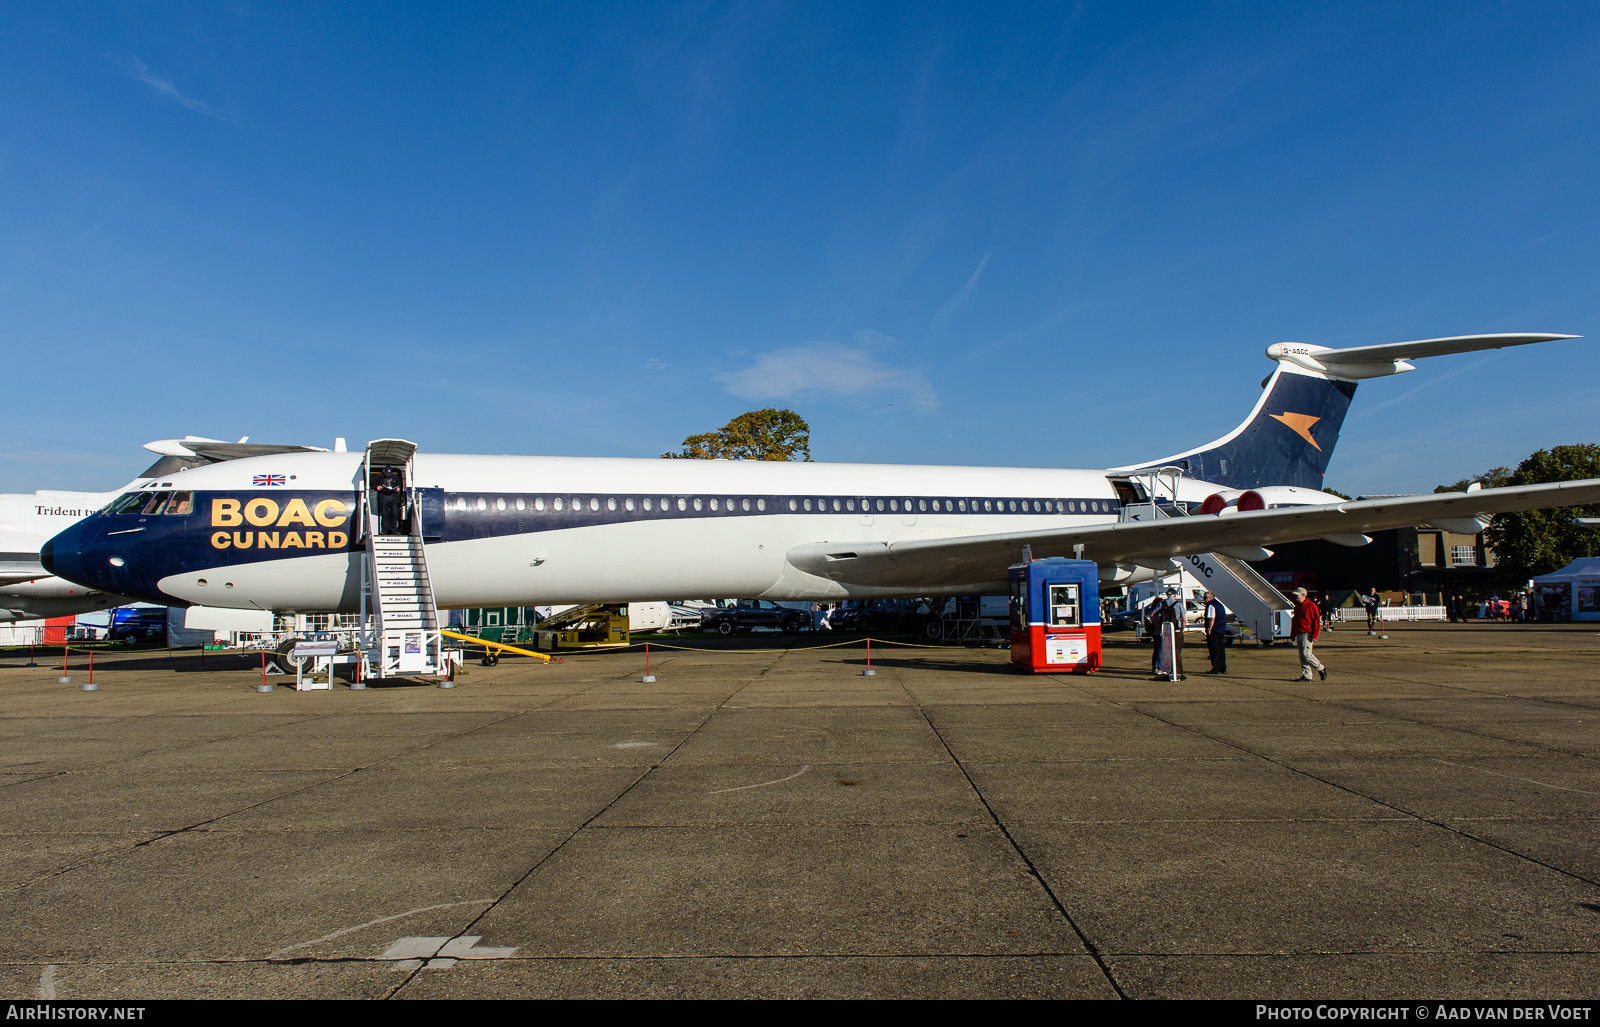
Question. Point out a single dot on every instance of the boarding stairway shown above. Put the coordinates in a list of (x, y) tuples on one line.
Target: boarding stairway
[(1259, 607), (399, 615)]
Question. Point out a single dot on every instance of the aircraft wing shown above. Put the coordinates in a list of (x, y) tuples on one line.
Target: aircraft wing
[(930, 562), (15, 567)]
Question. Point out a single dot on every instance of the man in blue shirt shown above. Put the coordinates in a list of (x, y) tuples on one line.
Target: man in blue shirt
[(1216, 634)]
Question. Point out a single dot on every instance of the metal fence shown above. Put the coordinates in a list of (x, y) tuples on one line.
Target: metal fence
[(1346, 614), (17, 634)]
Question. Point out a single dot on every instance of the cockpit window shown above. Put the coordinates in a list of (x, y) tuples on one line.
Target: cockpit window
[(181, 503), (157, 503), (128, 502)]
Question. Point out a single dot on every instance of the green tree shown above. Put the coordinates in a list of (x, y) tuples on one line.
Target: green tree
[(768, 434), (1539, 541), (1493, 478)]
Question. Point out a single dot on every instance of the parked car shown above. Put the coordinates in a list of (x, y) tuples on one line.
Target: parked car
[(134, 624), (896, 615), (732, 615), (1194, 615)]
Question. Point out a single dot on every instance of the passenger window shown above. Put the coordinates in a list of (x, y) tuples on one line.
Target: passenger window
[(182, 504)]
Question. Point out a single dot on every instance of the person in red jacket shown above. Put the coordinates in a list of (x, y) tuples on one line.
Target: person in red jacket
[(1305, 628)]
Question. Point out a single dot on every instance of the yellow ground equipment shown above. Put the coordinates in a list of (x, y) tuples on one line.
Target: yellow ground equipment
[(595, 626), (497, 647)]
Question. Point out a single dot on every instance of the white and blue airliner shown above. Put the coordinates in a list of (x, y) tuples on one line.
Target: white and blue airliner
[(284, 532)]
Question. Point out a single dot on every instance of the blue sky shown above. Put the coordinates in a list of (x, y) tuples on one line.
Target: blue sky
[(1054, 235)]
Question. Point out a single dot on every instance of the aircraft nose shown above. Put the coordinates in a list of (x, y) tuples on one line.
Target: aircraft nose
[(61, 555)]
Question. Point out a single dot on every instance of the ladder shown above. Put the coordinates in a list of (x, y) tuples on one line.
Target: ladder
[(399, 615), (1252, 599)]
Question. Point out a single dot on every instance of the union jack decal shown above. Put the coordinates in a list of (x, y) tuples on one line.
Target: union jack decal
[(270, 479)]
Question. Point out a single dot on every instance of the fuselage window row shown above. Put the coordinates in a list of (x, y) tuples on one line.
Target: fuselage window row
[(808, 504)]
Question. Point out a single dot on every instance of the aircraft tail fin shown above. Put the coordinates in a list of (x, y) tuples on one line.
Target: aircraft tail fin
[(1289, 436)]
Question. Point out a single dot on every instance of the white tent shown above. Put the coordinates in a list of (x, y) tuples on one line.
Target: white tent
[(1571, 593)]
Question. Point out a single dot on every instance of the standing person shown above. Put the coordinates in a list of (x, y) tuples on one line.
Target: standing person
[(824, 618), (388, 487), (1152, 627), (1216, 634), (1305, 628), (1371, 602), (1169, 611)]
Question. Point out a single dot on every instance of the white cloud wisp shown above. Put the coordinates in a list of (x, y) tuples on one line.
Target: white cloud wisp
[(140, 72), (832, 371)]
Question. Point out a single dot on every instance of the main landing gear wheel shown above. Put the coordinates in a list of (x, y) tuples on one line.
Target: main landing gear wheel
[(288, 661)]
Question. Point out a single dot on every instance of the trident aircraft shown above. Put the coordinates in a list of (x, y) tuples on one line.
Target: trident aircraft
[(284, 532), (30, 519)]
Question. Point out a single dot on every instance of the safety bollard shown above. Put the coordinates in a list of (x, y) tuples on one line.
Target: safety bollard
[(265, 686), (30, 662), (65, 678), (647, 675), (357, 682), (90, 686), (869, 672)]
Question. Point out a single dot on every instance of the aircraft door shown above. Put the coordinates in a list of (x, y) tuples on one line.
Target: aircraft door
[(389, 485), (431, 511)]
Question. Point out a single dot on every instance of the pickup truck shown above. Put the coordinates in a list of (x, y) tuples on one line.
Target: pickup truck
[(732, 615)]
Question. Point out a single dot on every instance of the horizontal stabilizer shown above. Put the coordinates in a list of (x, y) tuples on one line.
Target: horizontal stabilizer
[(1353, 363)]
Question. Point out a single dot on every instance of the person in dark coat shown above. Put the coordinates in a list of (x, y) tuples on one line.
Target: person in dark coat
[(1216, 634), (389, 487), (1372, 602)]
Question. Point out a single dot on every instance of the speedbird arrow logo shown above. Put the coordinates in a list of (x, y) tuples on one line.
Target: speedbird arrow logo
[(1300, 424)]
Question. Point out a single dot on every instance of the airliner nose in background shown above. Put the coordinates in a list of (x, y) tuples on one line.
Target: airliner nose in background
[(286, 532)]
